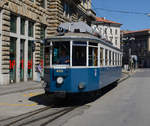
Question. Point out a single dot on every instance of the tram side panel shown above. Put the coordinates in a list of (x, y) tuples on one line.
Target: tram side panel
[(81, 80), (109, 75), (84, 80), (75, 80), (93, 78)]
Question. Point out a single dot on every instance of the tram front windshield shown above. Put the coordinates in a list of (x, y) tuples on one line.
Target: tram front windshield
[(61, 53)]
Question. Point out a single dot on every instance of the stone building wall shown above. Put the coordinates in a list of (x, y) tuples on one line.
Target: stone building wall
[(51, 15), (58, 14), (108, 30), (136, 43), (30, 11)]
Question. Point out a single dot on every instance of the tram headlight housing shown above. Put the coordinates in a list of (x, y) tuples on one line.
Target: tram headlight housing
[(81, 86), (60, 80)]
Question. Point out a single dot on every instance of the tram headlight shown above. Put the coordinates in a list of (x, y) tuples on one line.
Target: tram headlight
[(81, 86), (60, 80)]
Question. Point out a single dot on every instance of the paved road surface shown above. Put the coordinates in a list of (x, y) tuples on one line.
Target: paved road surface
[(126, 105)]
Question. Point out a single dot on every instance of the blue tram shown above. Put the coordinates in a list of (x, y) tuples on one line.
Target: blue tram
[(79, 62)]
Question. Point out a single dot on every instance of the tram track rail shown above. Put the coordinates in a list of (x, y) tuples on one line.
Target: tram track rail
[(25, 114), (44, 116), (19, 91)]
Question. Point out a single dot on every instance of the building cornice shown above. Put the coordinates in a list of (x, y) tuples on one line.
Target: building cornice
[(107, 24)]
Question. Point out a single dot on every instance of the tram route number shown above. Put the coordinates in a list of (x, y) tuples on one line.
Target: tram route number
[(59, 71)]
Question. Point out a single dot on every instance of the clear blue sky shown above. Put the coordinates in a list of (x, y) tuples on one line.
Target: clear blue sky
[(129, 21)]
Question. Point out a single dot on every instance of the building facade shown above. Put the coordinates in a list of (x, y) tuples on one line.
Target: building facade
[(23, 24), (108, 30), (137, 43)]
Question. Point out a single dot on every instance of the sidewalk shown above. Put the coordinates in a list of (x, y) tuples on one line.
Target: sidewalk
[(30, 85), (19, 87), (126, 74)]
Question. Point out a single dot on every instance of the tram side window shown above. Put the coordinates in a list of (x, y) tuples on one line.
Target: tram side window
[(118, 60), (106, 57), (93, 56), (79, 55), (61, 53), (101, 57), (113, 59), (109, 57)]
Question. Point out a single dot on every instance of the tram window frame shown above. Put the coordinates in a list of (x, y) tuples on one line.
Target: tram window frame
[(101, 56), (61, 53), (106, 57), (110, 57), (92, 58), (113, 58), (79, 59), (121, 60), (118, 59)]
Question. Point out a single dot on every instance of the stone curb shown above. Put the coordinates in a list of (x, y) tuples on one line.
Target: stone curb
[(128, 76), (125, 78)]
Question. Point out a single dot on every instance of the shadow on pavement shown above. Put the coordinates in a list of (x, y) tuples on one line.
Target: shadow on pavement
[(71, 99)]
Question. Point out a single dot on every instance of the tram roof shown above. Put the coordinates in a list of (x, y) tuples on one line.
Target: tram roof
[(80, 37)]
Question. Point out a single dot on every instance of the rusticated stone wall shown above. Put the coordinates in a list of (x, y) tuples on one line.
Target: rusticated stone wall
[(31, 11), (50, 16)]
